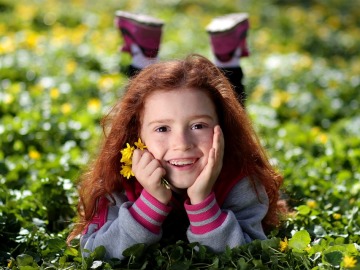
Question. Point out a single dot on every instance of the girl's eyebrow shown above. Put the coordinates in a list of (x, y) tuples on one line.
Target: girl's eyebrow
[(160, 121), (169, 121), (201, 116)]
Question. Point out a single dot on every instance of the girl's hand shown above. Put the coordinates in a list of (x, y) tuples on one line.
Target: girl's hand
[(148, 171), (204, 183)]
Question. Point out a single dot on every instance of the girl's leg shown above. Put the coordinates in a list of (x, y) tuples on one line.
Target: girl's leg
[(228, 42), (235, 76), (142, 36)]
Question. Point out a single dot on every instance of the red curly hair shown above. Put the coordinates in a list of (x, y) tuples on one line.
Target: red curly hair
[(243, 151)]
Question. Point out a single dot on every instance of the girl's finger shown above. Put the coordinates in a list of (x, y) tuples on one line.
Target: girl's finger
[(137, 154), (145, 157), (218, 141)]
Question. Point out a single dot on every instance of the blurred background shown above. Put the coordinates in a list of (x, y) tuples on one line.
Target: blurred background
[(61, 70)]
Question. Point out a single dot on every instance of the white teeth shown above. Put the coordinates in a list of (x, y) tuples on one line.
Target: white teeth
[(181, 162)]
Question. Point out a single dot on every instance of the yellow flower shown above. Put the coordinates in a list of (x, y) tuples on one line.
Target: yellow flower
[(279, 98), (126, 159), (94, 105), (311, 203), (315, 131), (127, 154), (26, 12), (258, 92), (54, 93), (31, 40), (3, 28), (8, 99), (105, 82), (323, 138), (140, 145), (284, 245), (7, 45), (126, 171), (349, 262), (66, 108), (70, 67), (33, 154), (336, 216), (305, 62)]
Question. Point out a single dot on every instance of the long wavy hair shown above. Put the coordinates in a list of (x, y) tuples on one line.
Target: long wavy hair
[(243, 151)]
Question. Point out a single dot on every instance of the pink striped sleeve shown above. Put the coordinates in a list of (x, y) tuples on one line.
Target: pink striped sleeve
[(149, 212), (205, 216)]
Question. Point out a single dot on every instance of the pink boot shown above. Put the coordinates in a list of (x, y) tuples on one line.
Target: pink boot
[(227, 34), (142, 30)]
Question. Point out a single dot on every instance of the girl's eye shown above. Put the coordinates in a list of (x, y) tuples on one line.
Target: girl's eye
[(161, 129), (197, 126)]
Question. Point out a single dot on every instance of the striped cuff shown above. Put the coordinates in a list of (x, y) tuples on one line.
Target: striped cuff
[(149, 212), (205, 216)]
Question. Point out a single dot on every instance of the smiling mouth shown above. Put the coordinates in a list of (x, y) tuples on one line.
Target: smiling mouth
[(182, 162)]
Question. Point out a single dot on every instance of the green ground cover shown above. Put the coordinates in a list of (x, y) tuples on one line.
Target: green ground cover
[(60, 72)]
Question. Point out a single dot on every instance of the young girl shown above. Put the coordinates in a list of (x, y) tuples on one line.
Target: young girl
[(223, 190)]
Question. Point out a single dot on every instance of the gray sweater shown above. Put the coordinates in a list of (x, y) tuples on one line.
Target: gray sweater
[(124, 223)]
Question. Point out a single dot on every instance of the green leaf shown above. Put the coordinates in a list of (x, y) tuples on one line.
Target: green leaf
[(72, 251), (28, 267), (177, 253), (215, 262), (303, 210), (24, 260), (270, 243), (56, 244), (98, 253), (181, 265), (334, 258), (241, 264), (135, 250), (300, 240), (201, 251)]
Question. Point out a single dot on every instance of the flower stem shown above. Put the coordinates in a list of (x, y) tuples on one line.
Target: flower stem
[(165, 183)]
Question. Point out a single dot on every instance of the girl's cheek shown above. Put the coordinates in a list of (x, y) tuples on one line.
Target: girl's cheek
[(155, 149), (207, 140)]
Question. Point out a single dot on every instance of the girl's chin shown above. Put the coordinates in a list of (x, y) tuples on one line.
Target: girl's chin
[(178, 185), (182, 180)]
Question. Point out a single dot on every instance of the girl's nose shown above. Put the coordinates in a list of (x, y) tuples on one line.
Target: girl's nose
[(182, 140)]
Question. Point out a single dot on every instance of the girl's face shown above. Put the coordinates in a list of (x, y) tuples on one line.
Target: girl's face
[(178, 128)]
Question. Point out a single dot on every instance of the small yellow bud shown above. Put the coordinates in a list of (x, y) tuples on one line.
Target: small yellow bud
[(311, 203)]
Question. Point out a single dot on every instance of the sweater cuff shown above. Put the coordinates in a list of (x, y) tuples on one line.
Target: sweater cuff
[(205, 216), (149, 212)]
